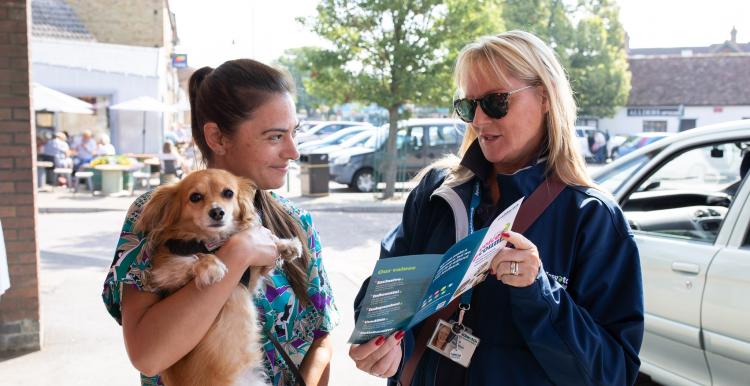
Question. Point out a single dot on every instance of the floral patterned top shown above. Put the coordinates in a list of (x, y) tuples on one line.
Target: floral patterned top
[(280, 312)]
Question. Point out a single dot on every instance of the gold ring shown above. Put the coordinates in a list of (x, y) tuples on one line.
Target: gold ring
[(514, 268)]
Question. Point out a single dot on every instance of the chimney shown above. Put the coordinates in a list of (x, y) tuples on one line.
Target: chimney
[(627, 42), (734, 35)]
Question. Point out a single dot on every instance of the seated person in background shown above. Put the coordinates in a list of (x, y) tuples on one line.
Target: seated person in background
[(171, 164), (85, 149), (104, 146), (58, 151)]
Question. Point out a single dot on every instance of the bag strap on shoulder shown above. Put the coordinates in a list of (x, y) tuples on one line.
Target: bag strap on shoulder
[(530, 210)]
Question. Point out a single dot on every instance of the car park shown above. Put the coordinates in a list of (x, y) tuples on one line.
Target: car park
[(687, 200), (419, 142), (323, 129), (307, 125), (636, 141), (333, 139)]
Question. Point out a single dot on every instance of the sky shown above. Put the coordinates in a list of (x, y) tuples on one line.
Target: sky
[(212, 32)]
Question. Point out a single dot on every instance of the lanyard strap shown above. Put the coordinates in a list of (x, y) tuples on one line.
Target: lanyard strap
[(530, 210), (476, 199)]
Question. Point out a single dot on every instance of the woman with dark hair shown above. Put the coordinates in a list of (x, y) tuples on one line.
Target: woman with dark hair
[(243, 121)]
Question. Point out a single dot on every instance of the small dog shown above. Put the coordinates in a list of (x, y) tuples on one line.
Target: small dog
[(180, 220)]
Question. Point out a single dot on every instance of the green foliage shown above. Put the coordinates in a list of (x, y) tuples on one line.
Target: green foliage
[(394, 52), (598, 62), (296, 61), (592, 49)]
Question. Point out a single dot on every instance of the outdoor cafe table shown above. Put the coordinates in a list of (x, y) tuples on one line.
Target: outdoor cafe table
[(112, 176)]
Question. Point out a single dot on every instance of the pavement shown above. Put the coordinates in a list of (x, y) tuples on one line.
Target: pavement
[(339, 198)]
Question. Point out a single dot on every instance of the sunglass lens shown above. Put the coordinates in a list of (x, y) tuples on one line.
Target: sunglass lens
[(465, 109), (495, 105)]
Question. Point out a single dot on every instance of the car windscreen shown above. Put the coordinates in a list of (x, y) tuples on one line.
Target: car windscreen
[(613, 179)]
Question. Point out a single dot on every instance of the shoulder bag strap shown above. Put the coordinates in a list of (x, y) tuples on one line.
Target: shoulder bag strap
[(288, 360), (530, 210)]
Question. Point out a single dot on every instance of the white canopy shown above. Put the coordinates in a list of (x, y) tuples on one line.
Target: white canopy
[(143, 103), (47, 99)]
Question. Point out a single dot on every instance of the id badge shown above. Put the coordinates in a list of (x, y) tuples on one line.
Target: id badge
[(453, 341)]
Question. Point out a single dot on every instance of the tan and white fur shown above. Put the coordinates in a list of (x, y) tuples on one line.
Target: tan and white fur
[(209, 206)]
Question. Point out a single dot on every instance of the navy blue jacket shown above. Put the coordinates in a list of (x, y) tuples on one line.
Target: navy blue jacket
[(579, 323)]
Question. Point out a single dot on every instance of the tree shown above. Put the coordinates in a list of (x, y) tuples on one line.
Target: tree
[(393, 52), (598, 62), (593, 50), (296, 61)]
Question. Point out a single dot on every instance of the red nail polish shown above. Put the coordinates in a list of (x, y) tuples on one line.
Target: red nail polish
[(400, 335), (379, 341), (505, 234)]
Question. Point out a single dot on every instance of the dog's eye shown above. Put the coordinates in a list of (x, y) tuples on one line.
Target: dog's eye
[(227, 193), (195, 197)]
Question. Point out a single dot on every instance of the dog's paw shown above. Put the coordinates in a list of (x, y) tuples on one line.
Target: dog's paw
[(208, 270), (289, 249)]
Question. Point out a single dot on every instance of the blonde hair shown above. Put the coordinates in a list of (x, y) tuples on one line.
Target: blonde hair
[(523, 56)]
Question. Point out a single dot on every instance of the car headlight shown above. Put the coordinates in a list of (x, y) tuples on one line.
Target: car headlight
[(342, 160)]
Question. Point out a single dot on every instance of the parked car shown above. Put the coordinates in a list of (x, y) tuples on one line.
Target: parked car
[(637, 141), (325, 128), (687, 200), (418, 143), (333, 139), (307, 125), (357, 140)]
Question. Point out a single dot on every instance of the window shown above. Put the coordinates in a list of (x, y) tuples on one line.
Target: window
[(612, 181), (652, 126), (409, 139), (688, 196), (687, 124), (443, 135)]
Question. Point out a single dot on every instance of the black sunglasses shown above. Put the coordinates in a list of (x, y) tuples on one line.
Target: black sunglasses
[(495, 105)]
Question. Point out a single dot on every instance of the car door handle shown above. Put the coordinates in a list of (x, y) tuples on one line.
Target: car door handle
[(686, 267)]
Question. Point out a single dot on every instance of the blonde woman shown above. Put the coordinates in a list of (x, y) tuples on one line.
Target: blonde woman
[(564, 304)]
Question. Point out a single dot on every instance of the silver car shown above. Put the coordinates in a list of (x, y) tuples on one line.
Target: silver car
[(687, 200)]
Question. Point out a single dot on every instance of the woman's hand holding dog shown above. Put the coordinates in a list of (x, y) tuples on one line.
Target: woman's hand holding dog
[(255, 246)]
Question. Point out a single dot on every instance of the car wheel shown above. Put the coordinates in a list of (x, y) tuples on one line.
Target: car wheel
[(363, 181)]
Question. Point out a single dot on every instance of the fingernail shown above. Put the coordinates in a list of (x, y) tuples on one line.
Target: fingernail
[(400, 335), (492, 271), (379, 341), (505, 234)]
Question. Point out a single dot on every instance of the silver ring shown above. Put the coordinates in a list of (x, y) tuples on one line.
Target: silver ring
[(514, 268)]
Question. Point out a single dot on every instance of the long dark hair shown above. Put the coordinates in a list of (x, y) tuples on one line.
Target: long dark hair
[(228, 96)]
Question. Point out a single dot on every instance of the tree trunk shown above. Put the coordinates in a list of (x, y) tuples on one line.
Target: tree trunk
[(389, 163)]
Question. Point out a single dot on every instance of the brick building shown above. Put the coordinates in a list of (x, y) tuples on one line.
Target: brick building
[(19, 306)]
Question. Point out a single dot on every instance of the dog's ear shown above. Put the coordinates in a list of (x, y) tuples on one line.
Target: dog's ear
[(245, 197), (161, 210)]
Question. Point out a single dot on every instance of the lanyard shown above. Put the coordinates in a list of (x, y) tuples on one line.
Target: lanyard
[(476, 198)]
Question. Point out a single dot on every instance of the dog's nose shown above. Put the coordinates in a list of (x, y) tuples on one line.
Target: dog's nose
[(216, 213)]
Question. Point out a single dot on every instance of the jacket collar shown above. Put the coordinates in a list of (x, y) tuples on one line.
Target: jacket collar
[(513, 186)]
